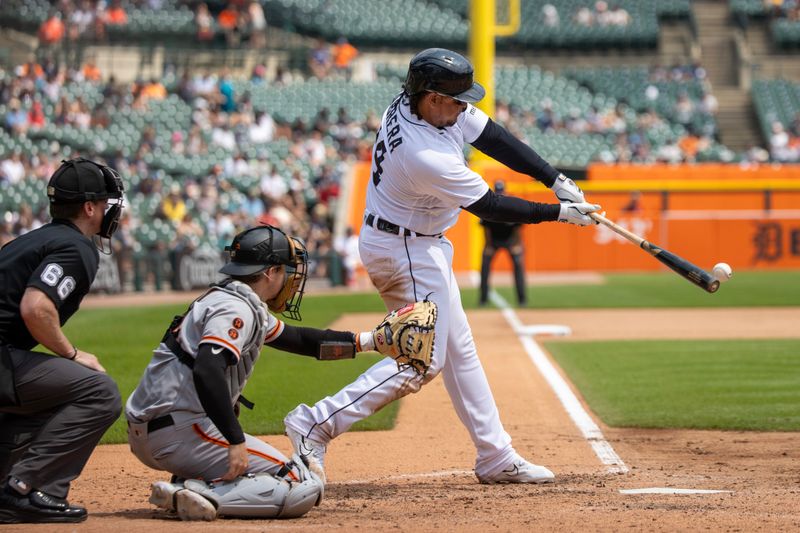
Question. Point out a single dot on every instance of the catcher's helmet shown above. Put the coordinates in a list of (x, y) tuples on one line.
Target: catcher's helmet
[(445, 72), (256, 249)]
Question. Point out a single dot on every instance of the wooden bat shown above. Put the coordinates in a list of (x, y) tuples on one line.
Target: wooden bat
[(693, 273)]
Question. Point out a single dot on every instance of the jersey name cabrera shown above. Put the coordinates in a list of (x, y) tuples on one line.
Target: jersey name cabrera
[(420, 179)]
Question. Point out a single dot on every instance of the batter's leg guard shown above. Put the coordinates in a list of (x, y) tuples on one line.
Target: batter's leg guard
[(260, 496)]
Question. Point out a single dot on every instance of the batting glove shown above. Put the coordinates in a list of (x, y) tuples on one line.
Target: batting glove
[(577, 213), (566, 190)]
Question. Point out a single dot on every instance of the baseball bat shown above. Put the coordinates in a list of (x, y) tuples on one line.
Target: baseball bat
[(693, 273)]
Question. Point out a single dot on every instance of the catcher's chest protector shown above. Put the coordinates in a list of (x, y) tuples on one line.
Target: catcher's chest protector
[(239, 374)]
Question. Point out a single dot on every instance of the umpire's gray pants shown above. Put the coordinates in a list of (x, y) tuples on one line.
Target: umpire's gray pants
[(61, 410)]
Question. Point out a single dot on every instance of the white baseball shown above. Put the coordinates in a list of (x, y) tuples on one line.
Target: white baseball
[(722, 271)]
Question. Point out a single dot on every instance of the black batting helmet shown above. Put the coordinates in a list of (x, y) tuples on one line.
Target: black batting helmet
[(444, 72)]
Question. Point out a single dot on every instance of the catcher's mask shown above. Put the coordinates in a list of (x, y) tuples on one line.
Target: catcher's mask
[(81, 180), (256, 249), (445, 72)]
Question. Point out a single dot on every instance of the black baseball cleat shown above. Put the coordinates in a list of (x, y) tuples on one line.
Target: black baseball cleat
[(37, 507)]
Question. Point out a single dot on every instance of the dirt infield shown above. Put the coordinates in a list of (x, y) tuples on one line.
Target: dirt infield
[(417, 477)]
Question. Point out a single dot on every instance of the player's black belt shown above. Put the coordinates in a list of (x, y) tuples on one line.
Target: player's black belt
[(159, 423), (386, 226)]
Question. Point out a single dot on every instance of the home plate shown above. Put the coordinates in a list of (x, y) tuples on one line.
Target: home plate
[(544, 329), (667, 490)]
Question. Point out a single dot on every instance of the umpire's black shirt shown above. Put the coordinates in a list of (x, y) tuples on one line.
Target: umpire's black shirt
[(57, 259)]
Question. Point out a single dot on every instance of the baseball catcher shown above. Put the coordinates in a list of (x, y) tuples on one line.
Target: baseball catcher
[(182, 415)]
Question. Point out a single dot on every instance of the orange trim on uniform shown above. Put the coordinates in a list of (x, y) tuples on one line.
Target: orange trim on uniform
[(274, 332), (208, 438), (232, 347)]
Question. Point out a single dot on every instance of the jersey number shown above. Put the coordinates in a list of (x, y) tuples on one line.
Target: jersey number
[(377, 159), (52, 274)]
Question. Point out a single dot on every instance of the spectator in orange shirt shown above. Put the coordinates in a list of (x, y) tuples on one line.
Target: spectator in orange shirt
[(228, 20), (31, 69), (115, 15), (91, 72), (343, 55), (52, 30), (153, 91)]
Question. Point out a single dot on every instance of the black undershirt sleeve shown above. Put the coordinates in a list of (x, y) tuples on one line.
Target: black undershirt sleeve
[(213, 391), (306, 341), (496, 142), (501, 208)]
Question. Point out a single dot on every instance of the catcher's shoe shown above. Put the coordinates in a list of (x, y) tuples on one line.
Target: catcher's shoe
[(193, 506), (520, 471), (311, 451), (162, 494)]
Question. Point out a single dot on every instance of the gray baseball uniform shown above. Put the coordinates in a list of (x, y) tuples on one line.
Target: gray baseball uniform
[(168, 427)]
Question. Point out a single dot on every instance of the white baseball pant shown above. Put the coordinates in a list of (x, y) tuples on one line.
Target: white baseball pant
[(406, 269)]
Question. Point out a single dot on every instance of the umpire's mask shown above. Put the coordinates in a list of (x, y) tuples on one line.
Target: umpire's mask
[(81, 180), (255, 250)]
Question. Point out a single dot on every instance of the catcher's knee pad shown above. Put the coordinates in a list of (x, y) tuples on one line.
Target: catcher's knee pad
[(260, 496)]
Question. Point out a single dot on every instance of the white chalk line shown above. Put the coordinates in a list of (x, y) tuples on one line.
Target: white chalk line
[(591, 432)]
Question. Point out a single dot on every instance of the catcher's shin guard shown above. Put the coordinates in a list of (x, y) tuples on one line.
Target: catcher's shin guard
[(260, 496)]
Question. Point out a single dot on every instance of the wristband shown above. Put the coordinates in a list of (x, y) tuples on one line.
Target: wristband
[(74, 354)]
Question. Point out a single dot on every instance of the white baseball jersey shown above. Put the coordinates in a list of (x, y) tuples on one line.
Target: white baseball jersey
[(420, 179), (224, 318)]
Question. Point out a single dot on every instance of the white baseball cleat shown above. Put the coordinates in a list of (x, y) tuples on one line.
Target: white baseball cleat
[(520, 471), (311, 451), (162, 494), (193, 506)]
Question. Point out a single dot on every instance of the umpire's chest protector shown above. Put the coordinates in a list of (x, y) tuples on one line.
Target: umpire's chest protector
[(240, 373)]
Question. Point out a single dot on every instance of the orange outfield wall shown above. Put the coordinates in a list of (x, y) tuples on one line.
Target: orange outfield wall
[(704, 222)]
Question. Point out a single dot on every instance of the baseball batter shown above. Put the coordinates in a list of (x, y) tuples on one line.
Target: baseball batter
[(420, 183), (182, 415)]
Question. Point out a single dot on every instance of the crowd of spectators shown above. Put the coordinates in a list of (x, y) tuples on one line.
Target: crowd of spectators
[(74, 22), (600, 14), (786, 9), (300, 197)]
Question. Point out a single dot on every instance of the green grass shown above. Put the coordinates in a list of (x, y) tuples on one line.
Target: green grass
[(664, 289), (124, 339), (714, 384)]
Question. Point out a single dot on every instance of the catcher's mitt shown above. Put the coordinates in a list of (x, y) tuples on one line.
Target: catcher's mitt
[(407, 334)]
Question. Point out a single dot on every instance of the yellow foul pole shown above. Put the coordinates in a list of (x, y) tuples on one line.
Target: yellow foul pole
[(482, 32), (481, 48)]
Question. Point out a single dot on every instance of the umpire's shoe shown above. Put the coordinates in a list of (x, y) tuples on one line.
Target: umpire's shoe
[(37, 507)]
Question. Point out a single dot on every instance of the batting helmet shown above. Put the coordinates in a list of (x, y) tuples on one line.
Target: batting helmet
[(444, 72)]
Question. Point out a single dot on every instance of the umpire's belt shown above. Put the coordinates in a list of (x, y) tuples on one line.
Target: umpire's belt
[(386, 226)]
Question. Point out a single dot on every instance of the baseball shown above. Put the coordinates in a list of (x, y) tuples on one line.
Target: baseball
[(722, 271)]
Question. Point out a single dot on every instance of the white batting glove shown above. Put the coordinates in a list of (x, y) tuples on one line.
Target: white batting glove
[(566, 190), (577, 213)]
